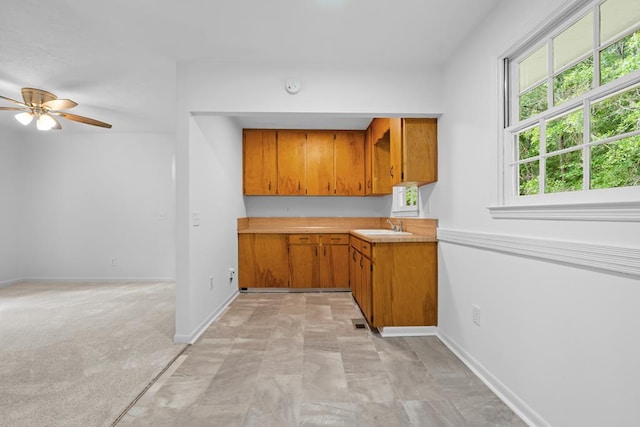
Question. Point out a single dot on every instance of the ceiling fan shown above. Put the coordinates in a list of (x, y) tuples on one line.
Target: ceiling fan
[(45, 106)]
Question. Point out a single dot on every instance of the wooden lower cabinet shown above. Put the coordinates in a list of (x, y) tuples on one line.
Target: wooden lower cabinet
[(319, 261), (395, 284), (263, 261)]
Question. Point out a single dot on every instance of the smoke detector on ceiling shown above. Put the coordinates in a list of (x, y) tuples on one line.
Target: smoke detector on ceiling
[(292, 86)]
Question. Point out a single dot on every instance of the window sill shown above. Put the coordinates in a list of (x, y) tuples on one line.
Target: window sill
[(610, 211)]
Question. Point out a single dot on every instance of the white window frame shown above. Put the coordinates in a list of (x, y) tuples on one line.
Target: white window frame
[(614, 204), (399, 207)]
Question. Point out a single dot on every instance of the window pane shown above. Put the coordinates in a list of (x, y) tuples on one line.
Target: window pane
[(564, 172), (616, 164), (616, 114), (620, 59), (616, 16), (533, 69), (529, 143), (573, 43), (573, 82), (529, 178), (565, 131), (533, 101)]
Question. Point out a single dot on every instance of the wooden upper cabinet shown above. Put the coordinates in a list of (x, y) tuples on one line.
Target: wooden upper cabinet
[(368, 180), (379, 159), (379, 126), (319, 157), (291, 165), (259, 175), (420, 150), (349, 163), (414, 150)]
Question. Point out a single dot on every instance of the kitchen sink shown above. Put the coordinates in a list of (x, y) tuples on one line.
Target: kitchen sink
[(382, 231)]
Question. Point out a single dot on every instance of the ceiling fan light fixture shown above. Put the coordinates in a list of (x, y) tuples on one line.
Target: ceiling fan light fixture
[(45, 122), (24, 118)]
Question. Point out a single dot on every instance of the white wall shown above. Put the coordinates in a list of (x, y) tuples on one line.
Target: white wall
[(92, 198), (10, 202), (284, 206), (237, 89), (559, 341), (215, 195)]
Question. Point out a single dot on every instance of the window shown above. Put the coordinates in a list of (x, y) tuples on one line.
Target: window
[(405, 201), (572, 113)]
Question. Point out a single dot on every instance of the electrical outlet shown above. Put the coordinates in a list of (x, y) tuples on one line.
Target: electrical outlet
[(476, 315), (211, 282), (232, 273), (113, 262)]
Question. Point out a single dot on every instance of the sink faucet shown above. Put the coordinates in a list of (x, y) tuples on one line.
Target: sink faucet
[(395, 227)]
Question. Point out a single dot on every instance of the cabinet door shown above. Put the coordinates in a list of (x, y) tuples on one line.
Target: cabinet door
[(349, 161), (304, 266), (368, 178), (291, 170), (420, 150), (263, 261), (334, 266), (259, 174), (366, 289), (381, 164), (319, 164), (395, 151), (355, 276)]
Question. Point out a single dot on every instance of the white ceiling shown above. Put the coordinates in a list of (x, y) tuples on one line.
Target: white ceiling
[(117, 58)]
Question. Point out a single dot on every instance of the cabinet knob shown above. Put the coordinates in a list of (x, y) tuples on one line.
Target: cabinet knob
[(359, 186)]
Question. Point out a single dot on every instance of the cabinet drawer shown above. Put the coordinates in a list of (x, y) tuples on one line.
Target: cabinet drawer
[(366, 249), (303, 239), (335, 239), (356, 243)]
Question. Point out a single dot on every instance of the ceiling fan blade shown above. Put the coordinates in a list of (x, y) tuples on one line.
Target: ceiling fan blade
[(81, 119), (13, 100), (37, 97), (60, 104)]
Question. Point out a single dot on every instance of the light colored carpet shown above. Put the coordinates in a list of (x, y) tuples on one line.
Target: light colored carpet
[(76, 354)]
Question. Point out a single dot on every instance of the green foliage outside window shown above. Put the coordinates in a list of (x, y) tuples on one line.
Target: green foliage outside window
[(612, 164)]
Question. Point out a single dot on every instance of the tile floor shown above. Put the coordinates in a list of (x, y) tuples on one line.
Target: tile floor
[(295, 359)]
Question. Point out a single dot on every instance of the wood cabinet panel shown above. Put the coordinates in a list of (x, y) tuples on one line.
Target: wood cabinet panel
[(395, 151), (259, 151), (334, 266), (380, 166), (420, 150), (319, 260), (291, 170), (368, 149), (263, 261), (319, 157), (304, 267), (379, 126), (349, 163), (404, 284)]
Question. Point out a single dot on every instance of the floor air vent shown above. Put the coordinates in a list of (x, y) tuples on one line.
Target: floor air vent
[(359, 323)]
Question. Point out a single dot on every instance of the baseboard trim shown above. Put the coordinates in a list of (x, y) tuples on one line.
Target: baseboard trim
[(407, 331), (195, 334), (39, 279), (611, 259), (524, 411)]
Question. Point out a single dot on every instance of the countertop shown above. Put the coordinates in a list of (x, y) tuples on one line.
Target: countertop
[(380, 238)]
